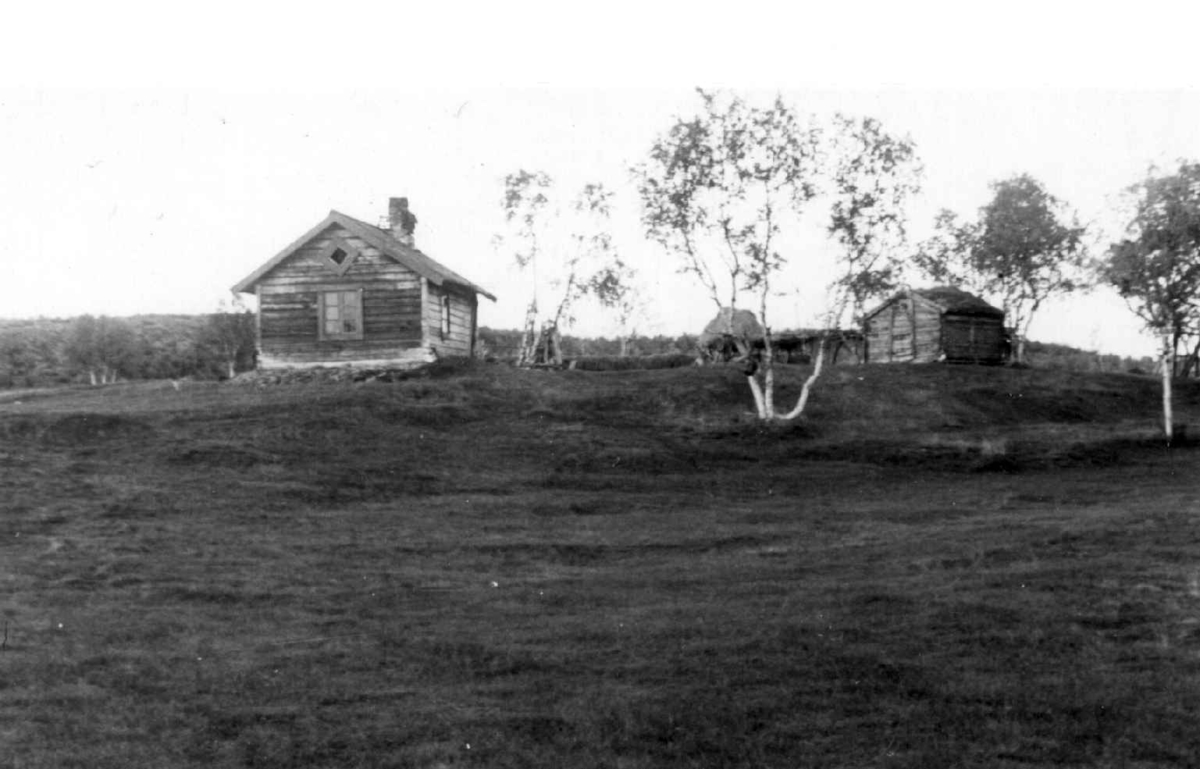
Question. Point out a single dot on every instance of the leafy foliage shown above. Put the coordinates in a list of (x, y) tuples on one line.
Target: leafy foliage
[(718, 190), (1156, 268), (945, 258), (1023, 249), (504, 345), (524, 200), (874, 175), (631, 363), (229, 335), (102, 347), (584, 263), (717, 187), (29, 352), (49, 351)]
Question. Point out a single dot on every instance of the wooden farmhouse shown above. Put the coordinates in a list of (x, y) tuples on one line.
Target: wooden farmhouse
[(349, 293), (935, 324)]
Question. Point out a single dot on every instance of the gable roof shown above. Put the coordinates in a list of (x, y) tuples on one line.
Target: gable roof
[(381, 239), (957, 301), (946, 299)]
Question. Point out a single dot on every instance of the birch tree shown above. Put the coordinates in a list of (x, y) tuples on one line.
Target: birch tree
[(615, 288), (1156, 267), (717, 190), (524, 203), (101, 347), (1032, 246), (1023, 249), (945, 257), (874, 176), (565, 249), (229, 334)]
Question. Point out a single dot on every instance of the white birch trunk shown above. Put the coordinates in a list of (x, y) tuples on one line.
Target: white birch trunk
[(768, 367), (759, 402), (1167, 370), (808, 383)]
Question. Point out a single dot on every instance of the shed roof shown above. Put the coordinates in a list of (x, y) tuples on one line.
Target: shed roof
[(381, 239), (955, 300), (946, 299)]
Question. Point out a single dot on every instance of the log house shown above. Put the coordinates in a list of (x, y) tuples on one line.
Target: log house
[(347, 293)]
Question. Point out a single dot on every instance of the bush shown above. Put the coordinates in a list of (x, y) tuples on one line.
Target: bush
[(631, 363)]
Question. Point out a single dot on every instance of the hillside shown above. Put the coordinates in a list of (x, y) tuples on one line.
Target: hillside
[(674, 417), (483, 566)]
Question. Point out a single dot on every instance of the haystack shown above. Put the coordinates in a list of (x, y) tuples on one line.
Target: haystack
[(731, 332)]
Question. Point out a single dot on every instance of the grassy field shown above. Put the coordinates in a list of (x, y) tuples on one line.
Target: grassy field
[(939, 567)]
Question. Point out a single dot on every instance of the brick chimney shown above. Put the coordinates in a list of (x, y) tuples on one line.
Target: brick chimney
[(401, 221)]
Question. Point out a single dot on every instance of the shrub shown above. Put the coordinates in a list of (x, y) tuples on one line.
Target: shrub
[(632, 363)]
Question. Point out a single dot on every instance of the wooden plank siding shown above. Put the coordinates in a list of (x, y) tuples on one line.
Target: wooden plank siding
[(289, 306), (387, 309), (973, 339), (307, 267), (899, 333), (460, 338), (890, 333), (916, 330), (927, 332), (904, 331)]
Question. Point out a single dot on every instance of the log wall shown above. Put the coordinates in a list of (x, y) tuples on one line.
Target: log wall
[(913, 331), (461, 336), (288, 307), (973, 339), (904, 331)]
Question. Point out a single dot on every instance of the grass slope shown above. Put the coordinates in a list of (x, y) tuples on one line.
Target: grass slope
[(488, 567)]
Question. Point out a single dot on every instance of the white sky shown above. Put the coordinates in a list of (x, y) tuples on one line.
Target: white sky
[(149, 160)]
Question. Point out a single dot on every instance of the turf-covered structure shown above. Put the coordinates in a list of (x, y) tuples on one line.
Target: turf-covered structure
[(935, 324), (732, 333)]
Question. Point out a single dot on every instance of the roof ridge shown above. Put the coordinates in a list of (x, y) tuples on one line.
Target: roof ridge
[(426, 263), (409, 256)]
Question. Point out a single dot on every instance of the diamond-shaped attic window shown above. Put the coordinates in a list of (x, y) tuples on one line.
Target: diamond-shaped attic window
[(338, 256)]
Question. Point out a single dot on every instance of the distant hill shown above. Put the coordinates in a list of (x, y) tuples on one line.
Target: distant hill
[(44, 351)]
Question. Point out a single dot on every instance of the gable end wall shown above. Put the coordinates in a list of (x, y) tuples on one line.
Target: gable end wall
[(289, 301)]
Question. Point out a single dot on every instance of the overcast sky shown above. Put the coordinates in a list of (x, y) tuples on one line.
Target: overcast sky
[(149, 161)]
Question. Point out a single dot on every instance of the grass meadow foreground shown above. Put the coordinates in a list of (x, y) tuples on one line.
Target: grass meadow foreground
[(479, 566)]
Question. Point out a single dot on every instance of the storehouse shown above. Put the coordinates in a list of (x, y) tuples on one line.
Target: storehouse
[(349, 293), (935, 324)]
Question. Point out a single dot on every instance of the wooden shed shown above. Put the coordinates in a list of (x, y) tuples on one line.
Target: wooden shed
[(350, 293), (935, 324)]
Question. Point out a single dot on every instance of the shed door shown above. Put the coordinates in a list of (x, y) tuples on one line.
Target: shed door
[(973, 339)]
